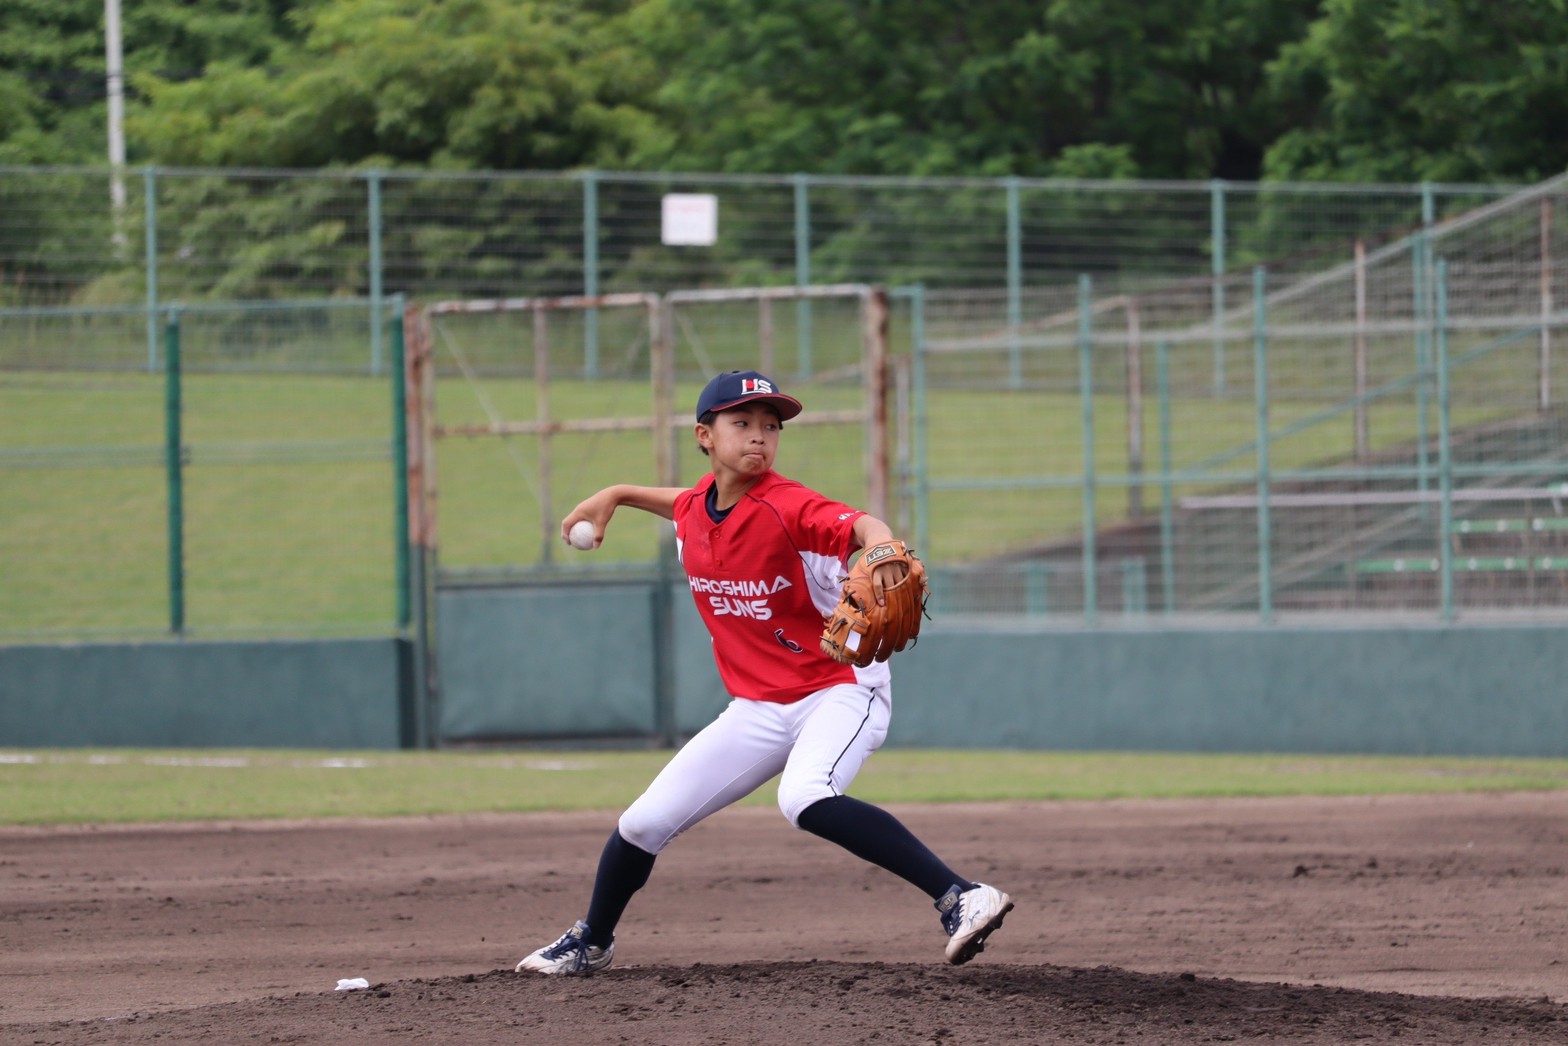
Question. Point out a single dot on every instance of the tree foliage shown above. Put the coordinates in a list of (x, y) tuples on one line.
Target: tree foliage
[(1285, 89), (53, 63), (1411, 90), (1076, 87), (495, 84)]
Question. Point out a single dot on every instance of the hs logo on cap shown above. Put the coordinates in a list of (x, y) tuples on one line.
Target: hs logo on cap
[(752, 386)]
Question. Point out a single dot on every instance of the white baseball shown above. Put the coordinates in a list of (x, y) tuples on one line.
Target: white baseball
[(581, 535)]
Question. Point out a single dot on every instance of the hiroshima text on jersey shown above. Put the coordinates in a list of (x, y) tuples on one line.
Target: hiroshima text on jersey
[(741, 597)]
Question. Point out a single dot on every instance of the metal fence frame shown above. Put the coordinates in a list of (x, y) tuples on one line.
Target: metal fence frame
[(1013, 298)]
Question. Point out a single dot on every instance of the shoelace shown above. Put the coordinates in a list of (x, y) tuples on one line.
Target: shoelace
[(568, 943)]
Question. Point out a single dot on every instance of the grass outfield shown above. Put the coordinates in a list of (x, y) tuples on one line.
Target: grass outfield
[(289, 490), (108, 786)]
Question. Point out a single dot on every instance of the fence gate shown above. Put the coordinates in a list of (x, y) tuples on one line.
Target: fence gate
[(517, 409)]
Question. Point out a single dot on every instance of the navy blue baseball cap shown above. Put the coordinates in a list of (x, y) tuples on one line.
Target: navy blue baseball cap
[(735, 387)]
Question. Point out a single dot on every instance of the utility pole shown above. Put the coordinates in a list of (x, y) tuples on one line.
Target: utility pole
[(116, 86)]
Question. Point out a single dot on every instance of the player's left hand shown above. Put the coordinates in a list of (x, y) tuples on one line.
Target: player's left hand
[(879, 611)]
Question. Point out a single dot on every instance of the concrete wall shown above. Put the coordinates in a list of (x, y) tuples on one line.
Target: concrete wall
[(578, 662), (570, 661), (350, 693), (1014, 682), (1413, 690)]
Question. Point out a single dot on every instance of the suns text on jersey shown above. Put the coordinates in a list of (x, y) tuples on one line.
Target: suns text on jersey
[(742, 597)]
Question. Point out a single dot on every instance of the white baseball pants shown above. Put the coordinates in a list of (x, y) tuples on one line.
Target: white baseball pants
[(818, 744)]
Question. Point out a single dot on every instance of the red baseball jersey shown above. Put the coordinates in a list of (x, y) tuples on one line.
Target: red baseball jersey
[(764, 579)]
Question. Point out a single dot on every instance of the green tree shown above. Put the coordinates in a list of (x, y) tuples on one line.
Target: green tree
[(462, 84), (1409, 90), (1075, 87), (52, 82), (53, 66)]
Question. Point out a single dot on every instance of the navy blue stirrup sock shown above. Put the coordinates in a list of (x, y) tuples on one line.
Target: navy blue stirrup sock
[(623, 870), (872, 834)]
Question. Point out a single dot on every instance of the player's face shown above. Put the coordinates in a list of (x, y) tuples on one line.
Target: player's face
[(743, 439)]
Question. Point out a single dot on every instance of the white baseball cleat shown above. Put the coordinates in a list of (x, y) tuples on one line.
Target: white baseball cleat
[(969, 917), (570, 954)]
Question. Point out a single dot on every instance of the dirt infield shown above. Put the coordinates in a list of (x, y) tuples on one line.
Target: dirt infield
[(1438, 920)]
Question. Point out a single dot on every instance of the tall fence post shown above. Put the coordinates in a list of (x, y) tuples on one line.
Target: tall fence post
[(1445, 466), (1134, 410), (1217, 272), (1360, 433), (150, 206), (373, 221), (1421, 247), (542, 414), (661, 352), (802, 274), (1167, 494), (1015, 280), (419, 414), (400, 546), (1544, 348), (173, 452), (873, 342), (922, 462), (590, 273), (1086, 408), (1261, 396)]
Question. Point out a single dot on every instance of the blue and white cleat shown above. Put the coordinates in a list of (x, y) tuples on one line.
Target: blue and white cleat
[(570, 954), (969, 917)]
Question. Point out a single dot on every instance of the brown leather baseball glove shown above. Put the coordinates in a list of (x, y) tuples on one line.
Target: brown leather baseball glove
[(860, 630)]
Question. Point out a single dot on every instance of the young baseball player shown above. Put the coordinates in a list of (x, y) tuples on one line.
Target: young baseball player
[(765, 556)]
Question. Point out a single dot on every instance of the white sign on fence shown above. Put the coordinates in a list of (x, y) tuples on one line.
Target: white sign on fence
[(691, 219)]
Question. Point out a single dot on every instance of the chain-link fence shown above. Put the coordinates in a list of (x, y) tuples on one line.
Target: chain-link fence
[(1099, 405), (242, 481), (1386, 433), (187, 235)]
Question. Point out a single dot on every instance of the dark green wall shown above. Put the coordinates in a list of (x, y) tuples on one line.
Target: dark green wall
[(1412, 690), (350, 693), (1013, 682), (569, 661), (554, 663)]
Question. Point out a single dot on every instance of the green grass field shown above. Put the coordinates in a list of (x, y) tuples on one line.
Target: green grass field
[(289, 486), (92, 786)]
